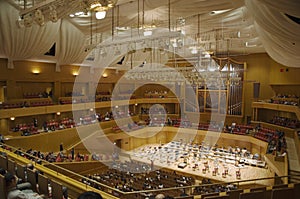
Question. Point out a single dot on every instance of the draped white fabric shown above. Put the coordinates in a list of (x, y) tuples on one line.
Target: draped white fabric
[(256, 21), (70, 45), (279, 35), (291, 7), (23, 43)]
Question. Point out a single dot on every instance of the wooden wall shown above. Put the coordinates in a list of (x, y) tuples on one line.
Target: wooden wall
[(270, 74)]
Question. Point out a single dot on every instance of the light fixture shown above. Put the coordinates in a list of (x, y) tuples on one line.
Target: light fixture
[(105, 75), (58, 113), (44, 11), (36, 71), (12, 118), (215, 12), (39, 17), (194, 50), (100, 14), (101, 8), (75, 73), (147, 32), (53, 14)]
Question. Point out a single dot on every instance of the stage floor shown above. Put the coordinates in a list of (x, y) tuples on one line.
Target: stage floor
[(184, 160)]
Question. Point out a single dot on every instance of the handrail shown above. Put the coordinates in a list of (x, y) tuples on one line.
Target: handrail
[(80, 185), (55, 174)]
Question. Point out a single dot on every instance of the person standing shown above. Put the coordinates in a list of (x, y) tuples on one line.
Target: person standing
[(61, 147)]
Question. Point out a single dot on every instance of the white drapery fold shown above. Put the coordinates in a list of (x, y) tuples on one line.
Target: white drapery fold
[(70, 45), (279, 35), (23, 43), (291, 7)]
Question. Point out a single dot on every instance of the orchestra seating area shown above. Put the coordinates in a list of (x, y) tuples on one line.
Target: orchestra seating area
[(125, 178), (285, 122)]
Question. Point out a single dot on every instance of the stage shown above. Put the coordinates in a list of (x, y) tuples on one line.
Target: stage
[(205, 162)]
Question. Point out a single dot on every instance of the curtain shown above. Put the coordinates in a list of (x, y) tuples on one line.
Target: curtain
[(279, 35), (23, 43), (70, 44)]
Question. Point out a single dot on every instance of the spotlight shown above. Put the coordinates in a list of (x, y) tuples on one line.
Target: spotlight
[(28, 20), (20, 22), (117, 51), (39, 17), (100, 14), (53, 15)]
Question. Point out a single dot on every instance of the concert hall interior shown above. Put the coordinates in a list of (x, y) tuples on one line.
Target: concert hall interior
[(147, 99)]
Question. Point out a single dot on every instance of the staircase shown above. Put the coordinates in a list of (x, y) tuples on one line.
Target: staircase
[(294, 166)]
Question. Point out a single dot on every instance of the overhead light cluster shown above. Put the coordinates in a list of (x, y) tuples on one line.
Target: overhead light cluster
[(37, 16), (42, 12)]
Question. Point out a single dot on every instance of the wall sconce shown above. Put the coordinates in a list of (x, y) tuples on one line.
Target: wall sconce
[(12, 118), (75, 73), (58, 113), (91, 109), (36, 71), (105, 75)]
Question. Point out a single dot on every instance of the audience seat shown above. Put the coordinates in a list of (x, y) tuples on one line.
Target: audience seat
[(43, 184), (296, 190), (21, 171), (11, 166), (184, 197), (2, 187), (283, 193), (203, 196), (258, 189), (253, 195), (218, 197), (278, 186), (3, 162), (31, 178), (57, 189), (235, 194)]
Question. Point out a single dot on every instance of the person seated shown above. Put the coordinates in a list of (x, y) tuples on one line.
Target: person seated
[(20, 191), (2, 171), (89, 195)]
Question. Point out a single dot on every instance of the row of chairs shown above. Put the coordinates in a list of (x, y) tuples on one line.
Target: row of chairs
[(282, 191), (39, 182)]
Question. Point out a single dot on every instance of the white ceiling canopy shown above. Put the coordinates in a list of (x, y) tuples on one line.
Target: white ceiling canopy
[(224, 27)]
